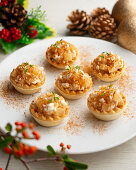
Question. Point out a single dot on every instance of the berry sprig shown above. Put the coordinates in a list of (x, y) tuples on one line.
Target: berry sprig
[(5, 2), (10, 35), (32, 32), (13, 146)]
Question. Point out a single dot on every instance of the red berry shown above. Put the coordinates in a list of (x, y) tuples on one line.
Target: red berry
[(5, 2), (19, 153), (32, 149), (61, 144), (15, 34), (65, 168), (32, 32), (31, 126), (63, 149), (18, 128), (68, 146), (23, 125), (17, 123), (26, 149), (25, 134), (36, 134), (7, 150), (21, 146)]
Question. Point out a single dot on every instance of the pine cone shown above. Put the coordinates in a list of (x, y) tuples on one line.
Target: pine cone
[(13, 15), (97, 12), (103, 27), (80, 22)]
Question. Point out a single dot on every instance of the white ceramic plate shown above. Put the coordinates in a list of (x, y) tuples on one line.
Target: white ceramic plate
[(80, 129)]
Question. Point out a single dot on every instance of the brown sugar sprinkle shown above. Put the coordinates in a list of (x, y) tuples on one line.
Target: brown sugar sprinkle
[(99, 127), (74, 125), (11, 96), (126, 83), (85, 58), (128, 114)]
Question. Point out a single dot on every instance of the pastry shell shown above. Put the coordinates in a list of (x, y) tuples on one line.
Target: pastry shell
[(109, 77), (107, 116), (73, 95), (48, 121), (63, 52), (26, 89), (60, 66)]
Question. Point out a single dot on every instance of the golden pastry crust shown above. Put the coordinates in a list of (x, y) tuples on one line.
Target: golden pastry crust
[(49, 109), (108, 67), (107, 103), (61, 54), (27, 78), (73, 83)]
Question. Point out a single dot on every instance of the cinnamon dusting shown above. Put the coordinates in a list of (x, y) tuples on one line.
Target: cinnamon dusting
[(86, 57), (99, 127), (11, 96), (74, 125)]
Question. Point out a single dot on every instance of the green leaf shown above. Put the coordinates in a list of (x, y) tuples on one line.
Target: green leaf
[(66, 158), (51, 150), (23, 3), (75, 165), (8, 47), (8, 127), (5, 142), (42, 29), (25, 39)]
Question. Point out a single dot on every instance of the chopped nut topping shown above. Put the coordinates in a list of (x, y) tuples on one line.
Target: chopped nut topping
[(106, 99), (107, 63), (33, 76), (43, 107), (74, 80), (62, 52)]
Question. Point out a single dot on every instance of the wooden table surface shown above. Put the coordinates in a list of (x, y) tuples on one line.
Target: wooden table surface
[(122, 157)]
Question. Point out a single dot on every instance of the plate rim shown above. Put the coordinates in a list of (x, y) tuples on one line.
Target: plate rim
[(76, 37)]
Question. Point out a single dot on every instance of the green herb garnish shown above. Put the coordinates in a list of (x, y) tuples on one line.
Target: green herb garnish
[(103, 94), (72, 67), (105, 53), (68, 68), (54, 98), (56, 44), (102, 56), (50, 101), (78, 67), (111, 85), (25, 66)]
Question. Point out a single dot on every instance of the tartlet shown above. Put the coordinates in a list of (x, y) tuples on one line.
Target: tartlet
[(61, 54), (49, 109), (107, 103), (73, 83), (108, 67), (27, 78)]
